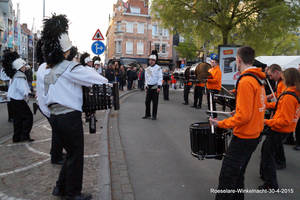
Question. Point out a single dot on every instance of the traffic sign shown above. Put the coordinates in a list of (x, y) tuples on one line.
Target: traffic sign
[(98, 47), (213, 56), (98, 35), (182, 64)]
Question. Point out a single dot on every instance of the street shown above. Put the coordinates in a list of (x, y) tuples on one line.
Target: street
[(158, 157), (7, 127)]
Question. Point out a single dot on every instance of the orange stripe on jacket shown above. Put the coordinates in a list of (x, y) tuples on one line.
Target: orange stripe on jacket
[(248, 121), (216, 82), (200, 84), (280, 88), (287, 113)]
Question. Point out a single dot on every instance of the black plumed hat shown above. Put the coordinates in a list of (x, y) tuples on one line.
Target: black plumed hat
[(39, 53), (55, 39), (8, 59), (83, 58)]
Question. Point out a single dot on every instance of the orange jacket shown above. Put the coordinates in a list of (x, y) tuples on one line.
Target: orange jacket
[(173, 80), (200, 84), (248, 121), (280, 88), (216, 82), (287, 113)]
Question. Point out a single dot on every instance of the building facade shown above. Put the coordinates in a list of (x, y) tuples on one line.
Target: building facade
[(132, 34)]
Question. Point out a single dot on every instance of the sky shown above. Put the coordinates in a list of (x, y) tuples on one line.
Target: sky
[(85, 17)]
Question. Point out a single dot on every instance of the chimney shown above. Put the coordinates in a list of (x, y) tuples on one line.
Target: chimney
[(25, 25)]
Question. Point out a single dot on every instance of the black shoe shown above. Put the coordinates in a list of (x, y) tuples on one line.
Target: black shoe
[(296, 148), (83, 196), (145, 117), (185, 103), (30, 140), (198, 107), (16, 140), (279, 167), (193, 106), (153, 118), (57, 191), (60, 162)]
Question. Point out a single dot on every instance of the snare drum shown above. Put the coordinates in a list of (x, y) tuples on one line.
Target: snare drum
[(176, 73), (224, 100), (205, 144)]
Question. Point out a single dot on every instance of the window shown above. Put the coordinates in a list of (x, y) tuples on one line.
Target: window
[(165, 32), (119, 8), (118, 26), (140, 48), (157, 47), (129, 27), (159, 31), (135, 10), (140, 27), (118, 47), (129, 47), (181, 39), (154, 30), (164, 48)]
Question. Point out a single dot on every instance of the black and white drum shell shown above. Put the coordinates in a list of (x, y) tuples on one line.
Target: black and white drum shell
[(193, 72), (205, 144), (176, 74)]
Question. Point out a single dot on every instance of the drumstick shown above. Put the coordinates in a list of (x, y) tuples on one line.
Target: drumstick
[(211, 114), (271, 89), (225, 89), (218, 112)]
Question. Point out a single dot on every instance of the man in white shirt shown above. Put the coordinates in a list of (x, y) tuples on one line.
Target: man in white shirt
[(153, 83)]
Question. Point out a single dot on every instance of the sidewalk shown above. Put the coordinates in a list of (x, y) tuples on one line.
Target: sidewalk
[(26, 171)]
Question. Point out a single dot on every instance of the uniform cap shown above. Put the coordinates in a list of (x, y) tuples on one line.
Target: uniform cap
[(18, 63)]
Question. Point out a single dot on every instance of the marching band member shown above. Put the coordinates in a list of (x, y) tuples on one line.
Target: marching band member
[(198, 94), (18, 92), (214, 84), (186, 91), (153, 83), (284, 121), (85, 60), (247, 123), (63, 97)]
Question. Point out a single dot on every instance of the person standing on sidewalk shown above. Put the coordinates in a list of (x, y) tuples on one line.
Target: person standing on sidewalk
[(214, 84), (198, 94), (63, 96), (153, 83), (247, 123)]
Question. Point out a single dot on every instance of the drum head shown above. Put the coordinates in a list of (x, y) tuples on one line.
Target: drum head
[(187, 73), (202, 71)]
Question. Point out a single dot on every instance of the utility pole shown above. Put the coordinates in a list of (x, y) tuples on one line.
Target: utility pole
[(44, 9)]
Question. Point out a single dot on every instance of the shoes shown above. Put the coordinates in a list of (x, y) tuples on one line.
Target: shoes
[(266, 187), (57, 191), (185, 103), (83, 196), (30, 140), (296, 148), (193, 106), (145, 117), (60, 162), (153, 118), (198, 107), (279, 167), (16, 140)]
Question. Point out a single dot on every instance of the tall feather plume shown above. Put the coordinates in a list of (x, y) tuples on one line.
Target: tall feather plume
[(82, 57), (8, 59)]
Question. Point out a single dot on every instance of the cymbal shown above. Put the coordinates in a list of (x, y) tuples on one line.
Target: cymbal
[(204, 75)]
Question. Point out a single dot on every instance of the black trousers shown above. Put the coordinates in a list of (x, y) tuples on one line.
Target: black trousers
[(213, 103), (198, 95), (69, 131), (23, 120), (271, 145), (166, 91), (56, 147), (234, 166), (186, 92), (10, 110), (141, 84), (152, 95), (297, 133)]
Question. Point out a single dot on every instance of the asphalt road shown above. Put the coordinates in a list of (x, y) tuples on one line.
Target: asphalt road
[(6, 127), (158, 155)]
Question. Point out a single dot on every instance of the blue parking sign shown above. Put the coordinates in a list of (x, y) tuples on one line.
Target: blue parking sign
[(213, 56), (98, 47)]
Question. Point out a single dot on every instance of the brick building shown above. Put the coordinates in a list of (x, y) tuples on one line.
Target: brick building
[(131, 34)]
